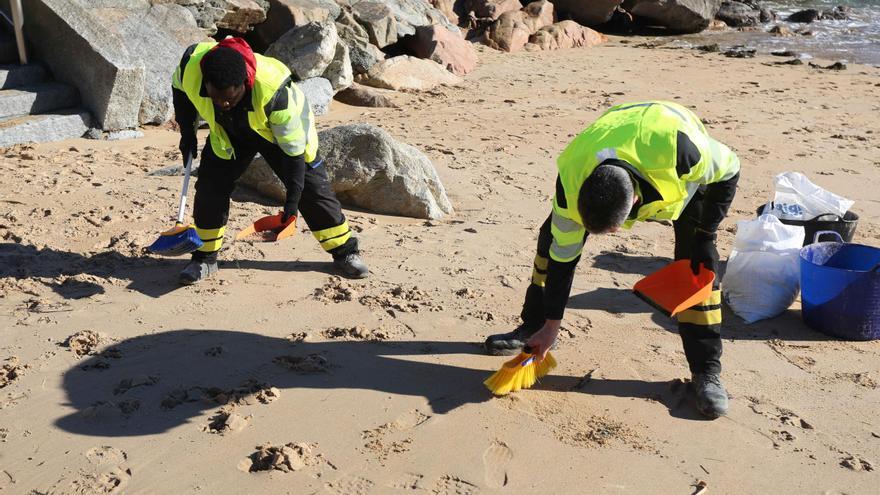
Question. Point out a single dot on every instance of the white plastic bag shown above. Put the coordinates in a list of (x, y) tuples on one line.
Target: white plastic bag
[(763, 272), (799, 199)]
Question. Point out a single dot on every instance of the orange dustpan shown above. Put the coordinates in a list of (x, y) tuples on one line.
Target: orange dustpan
[(675, 288), (268, 229)]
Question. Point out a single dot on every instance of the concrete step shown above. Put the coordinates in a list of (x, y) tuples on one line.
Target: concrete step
[(8, 50), (16, 76), (65, 124), (40, 98)]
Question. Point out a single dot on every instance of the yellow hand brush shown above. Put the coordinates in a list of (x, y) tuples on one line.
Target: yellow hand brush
[(519, 373)]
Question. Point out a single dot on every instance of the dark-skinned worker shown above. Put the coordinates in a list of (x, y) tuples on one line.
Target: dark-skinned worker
[(639, 161), (252, 106)]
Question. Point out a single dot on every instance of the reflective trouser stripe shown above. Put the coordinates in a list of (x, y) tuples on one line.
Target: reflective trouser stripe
[(706, 313), (212, 239), (539, 272), (333, 237)]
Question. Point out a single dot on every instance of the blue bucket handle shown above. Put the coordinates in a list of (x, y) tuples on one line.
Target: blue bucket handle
[(823, 232)]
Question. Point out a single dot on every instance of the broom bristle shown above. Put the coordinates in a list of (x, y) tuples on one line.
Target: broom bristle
[(514, 376)]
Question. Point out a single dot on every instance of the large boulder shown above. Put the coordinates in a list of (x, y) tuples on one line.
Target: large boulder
[(339, 71), (564, 34), (369, 169), (407, 15), (680, 16), (538, 14), (260, 178), (284, 15), (307, 50), (444, 47), (206, 12), (738, 14), (241, 16), (447, 8), (491, 9), (408, 73), (587, 12), (364, 96), (157, 35), (159, 38), (512, 30), (508, 33), (411, 14), (379, 22), (361, 52), (319, 94)]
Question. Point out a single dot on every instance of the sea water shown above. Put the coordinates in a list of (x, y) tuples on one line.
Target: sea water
[(855, 40)]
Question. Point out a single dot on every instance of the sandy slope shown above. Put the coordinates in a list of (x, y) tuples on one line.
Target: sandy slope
[(396, 405)]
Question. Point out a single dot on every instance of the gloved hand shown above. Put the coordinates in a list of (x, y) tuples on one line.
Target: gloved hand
[(703, 251), (189, 145), (289, 212)]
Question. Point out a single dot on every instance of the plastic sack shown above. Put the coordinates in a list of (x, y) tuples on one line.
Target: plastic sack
[(799, 199), (763, 272)]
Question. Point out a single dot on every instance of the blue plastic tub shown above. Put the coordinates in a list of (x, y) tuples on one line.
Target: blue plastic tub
[(840, 288)]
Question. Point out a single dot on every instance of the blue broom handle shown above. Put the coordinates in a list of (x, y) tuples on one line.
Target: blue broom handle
[(187, 168)]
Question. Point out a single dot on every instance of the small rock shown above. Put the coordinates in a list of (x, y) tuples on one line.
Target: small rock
[(713, 48)]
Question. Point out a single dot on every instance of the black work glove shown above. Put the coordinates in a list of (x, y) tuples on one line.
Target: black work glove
[(189, 145), (289, 211), (703, 251)]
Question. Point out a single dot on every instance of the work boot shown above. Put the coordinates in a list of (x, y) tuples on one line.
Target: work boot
[(197, 270), (351, 265), (711, 396), (508, 344)]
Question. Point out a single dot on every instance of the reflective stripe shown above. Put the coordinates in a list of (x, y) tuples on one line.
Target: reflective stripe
[(541, 263), (212, 239), (566, 225), (606, 154), (668, 107), (290, 137), (719, 171), (714, 299), (676, 112), (703, 318), (632, 106), (293, 135), (538, 278), (707, 312), (565, 253), (334, 236)]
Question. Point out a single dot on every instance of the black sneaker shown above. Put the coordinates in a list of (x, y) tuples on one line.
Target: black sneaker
[(712, 399), (508, 344), (352, 266), (196, 271)]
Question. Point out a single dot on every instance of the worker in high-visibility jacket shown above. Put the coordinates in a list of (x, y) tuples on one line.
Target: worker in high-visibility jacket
[(252, 106), (640, 161)]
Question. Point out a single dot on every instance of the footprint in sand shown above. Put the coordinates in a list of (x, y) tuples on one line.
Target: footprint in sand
[(350, 485), (106, 475), (496, 458)]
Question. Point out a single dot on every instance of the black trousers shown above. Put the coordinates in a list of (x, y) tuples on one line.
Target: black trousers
[(318, 205), (699, 327)]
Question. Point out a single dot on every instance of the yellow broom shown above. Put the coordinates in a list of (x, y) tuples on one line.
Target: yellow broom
[(519, 373)]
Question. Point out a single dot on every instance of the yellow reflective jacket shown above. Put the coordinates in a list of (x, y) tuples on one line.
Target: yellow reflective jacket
[(290, 126), (645, 135)]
